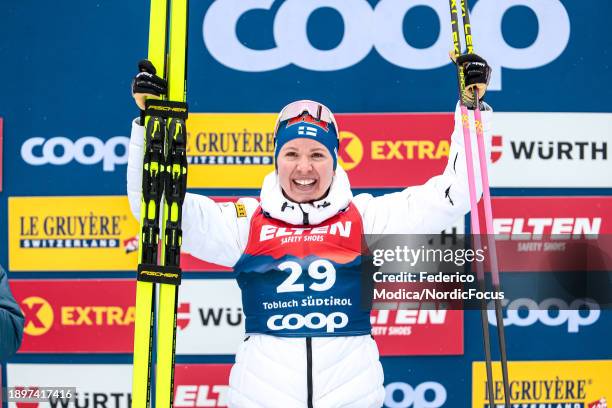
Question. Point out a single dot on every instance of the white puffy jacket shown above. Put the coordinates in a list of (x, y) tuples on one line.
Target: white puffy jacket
[(323, 372)]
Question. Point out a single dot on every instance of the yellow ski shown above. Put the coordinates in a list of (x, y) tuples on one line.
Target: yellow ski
[(164, 170)]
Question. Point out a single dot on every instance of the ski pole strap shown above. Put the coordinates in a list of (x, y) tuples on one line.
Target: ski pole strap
[(159, 274), (166, 109)]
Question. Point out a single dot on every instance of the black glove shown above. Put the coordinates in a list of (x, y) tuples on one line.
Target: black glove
[(147, 83), (477, 74)]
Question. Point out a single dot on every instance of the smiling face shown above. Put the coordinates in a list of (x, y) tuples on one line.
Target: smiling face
[(305, 170)]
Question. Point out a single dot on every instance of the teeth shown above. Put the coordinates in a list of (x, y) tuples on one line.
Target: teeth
[(305, 182)]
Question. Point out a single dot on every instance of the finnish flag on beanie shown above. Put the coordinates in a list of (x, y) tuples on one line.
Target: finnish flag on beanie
[(307, 127)]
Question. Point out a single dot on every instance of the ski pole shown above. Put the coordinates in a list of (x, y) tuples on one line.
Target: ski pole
[(490, 233), (475, 221)]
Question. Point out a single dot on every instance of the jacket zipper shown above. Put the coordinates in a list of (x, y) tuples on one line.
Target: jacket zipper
[(304, 215)]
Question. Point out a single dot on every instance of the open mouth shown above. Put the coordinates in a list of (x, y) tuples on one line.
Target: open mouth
[(306, 184)]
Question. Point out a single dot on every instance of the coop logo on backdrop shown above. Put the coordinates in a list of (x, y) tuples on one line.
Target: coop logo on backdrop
[(380, 27), (88, 150), (428, 394), (70, 233), (550, 312)]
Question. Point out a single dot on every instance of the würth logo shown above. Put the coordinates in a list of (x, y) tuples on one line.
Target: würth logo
[(183, 316), (549, 150), (209, 316)]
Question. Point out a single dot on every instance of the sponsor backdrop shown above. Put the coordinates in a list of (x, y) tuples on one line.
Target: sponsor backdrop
[(71, 245)]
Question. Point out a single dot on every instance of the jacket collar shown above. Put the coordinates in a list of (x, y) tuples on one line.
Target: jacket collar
[(277, 206)]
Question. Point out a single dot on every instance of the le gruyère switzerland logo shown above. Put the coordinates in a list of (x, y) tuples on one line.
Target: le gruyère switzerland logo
[(71, 231), (550, 384), (38, 315)]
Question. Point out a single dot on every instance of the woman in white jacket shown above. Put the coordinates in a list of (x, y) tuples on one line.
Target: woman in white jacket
[(297, 252)]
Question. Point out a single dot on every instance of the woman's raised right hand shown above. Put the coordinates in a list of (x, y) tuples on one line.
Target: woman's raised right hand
[(146, 84)]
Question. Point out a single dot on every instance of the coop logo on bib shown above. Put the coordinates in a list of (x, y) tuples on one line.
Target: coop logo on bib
[(315, 321)]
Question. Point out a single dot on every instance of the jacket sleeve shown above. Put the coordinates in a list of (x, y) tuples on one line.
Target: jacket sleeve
[(438, 203), (11, 320), (212, 231)]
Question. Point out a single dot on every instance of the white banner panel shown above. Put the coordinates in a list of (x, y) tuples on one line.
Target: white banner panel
[(210, 319), (551, 150), (97, 385)]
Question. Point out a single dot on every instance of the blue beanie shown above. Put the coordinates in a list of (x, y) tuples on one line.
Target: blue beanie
[(307, 127)]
